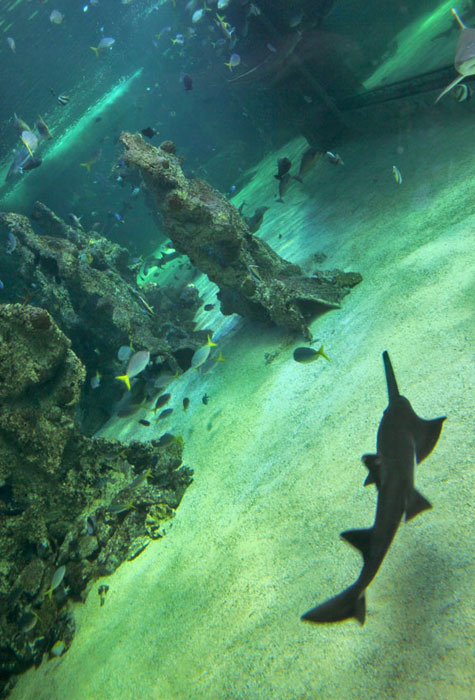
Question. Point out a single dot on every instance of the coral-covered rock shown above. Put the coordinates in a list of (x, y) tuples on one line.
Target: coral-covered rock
[(253, 280)]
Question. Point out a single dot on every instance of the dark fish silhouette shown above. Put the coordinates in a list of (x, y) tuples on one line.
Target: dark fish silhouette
[(187, 82), (149, 132), (283, 167), (402, 438)]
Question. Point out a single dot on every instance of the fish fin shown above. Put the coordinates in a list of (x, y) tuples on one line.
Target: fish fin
[(125, 378), (220, 357), (321, 352), (449, 87), (346, 604), (360, 539), (210, 343), (416, 504), (27, 146), (373, 463), (86, 165), (427, 434), (96, 50)]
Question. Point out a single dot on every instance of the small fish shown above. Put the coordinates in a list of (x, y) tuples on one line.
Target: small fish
[(60, 99), (19, 124), (11, 243), (43, 129), (107, 42), (91, 525), (30, 140), (186, 403), (234, 61), (31, 163), (161, 401), (75, 220), (148, 132), (56, 581), (96, 380), (225, 27), (284, 184), (144, 422), (179, 39), (124, 353), (201, 355), (11, 43), (308, 160), (164, 414), (140, 478), (208, 307), (166, 439), (283, 167), (56, 17), (205, 399), (58, 648), (255, 274), (118, 508), (187, 82), (197, 16), (462, 92), (28, 621), (102, 590), (222, 4), (334, 158), (136, 365), (306, 355), (397, 175)]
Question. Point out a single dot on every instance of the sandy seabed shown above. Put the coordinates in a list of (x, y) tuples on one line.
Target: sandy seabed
[(212, 611)]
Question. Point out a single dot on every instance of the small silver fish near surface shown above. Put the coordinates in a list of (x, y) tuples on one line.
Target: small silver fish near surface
[(397, 175)]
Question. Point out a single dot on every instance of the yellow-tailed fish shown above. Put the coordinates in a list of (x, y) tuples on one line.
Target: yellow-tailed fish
[(137, 364), (397, 175)]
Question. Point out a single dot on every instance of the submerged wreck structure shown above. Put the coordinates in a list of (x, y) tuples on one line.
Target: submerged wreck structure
[(253, 280), (72, 508)]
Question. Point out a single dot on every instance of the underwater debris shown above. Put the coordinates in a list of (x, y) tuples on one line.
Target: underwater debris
[(403, 439), (202, 223)]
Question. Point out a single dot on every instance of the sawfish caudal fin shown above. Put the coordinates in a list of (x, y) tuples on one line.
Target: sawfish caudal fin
[(349, 603), (426, 435), (416, 504), (393, 391)]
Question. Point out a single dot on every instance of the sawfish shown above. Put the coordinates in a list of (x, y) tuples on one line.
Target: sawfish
[(464, 54), (402, 440)]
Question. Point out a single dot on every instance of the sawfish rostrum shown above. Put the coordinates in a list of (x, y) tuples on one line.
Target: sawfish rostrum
[(403, 439)]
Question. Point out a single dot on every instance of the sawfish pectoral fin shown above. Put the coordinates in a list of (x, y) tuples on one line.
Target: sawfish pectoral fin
[(348, 603), (361, 539), (427, 433), (449, 87), (416, 504), (373, 463)]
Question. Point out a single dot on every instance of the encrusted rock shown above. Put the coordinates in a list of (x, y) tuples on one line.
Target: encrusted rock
[(202, 223)]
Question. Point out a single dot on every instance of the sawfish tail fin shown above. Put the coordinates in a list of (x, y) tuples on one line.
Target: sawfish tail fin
[(393, 391), (427, 433), (349, 603)]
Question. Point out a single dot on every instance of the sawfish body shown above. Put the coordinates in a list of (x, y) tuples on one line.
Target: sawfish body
[(402, 440)]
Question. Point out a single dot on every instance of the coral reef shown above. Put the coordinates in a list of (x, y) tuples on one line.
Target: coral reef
[(253, 280), (66, 500), (88, 286)]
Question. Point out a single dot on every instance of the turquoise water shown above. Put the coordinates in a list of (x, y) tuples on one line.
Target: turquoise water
[(211, 609)]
